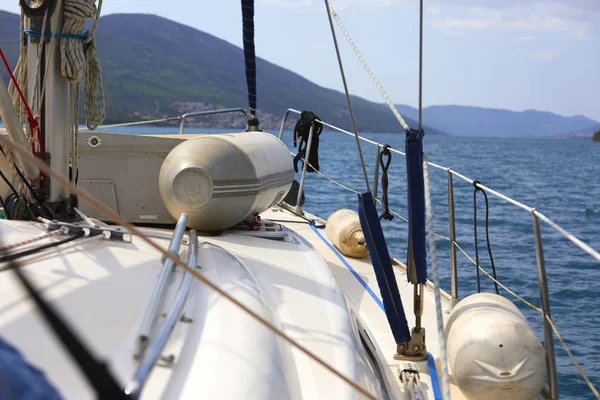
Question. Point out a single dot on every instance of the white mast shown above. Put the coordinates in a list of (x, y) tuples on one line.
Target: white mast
[(54, 110)]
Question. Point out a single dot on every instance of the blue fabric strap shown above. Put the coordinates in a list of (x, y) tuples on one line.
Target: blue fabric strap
[(30, 32), (249, 53), (382, 264), (435, 385), (417, 255)]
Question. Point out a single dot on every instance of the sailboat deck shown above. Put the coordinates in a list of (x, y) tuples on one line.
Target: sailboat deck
[(367, 307), (103, 288)]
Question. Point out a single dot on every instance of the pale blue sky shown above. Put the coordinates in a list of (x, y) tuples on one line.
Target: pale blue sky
[(514, 54)]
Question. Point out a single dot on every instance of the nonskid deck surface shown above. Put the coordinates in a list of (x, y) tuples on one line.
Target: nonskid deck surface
[(298, 284)]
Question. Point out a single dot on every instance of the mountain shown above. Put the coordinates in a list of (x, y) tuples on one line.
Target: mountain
[(478, 121), (154, 67)]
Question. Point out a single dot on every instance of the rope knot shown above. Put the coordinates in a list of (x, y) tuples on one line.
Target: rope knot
[(385, 165), (475, 183), (302, 129)]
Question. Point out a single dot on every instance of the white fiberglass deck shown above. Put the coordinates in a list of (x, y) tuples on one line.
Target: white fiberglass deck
[(298, 284)]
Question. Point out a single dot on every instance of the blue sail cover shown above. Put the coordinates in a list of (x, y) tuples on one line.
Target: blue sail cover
[(249, 54), (19, 380), (382, 264), (417, 254)]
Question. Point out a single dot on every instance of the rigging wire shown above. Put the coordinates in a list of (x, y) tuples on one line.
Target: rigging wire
[(369, 71), (339, 58)]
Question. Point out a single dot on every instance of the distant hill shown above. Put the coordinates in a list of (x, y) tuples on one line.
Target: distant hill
[(478, 121), (156, 67)]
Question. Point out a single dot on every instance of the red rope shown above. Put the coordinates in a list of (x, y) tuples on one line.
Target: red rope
[(31, 121), (34, 126)]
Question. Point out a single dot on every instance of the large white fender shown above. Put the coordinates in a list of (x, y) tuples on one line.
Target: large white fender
[(492, 352), (220, 180)]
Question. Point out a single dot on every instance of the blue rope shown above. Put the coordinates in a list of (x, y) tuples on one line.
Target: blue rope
[(30, 32), (352, 270), (435, 384)]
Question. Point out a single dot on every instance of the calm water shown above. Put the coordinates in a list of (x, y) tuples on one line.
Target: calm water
[(559, 177)]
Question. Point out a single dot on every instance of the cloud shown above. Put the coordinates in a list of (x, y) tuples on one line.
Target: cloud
[(542, 55), (524, 38), (574, 20)]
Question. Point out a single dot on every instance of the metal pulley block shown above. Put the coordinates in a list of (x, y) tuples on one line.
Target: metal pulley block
[(35, 11)]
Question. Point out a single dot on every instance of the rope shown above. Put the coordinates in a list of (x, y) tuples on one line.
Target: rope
[(369, 71), (546, 317), (347, 93), (376, 199), (487, 235), (115, 218), (48, 35), (496, 282), (301, 134), (16, 256), (385, 212), (436, 284), (34, 239), (412, 383), (20, 73), (79, 56), (581, 371), (528, 303)]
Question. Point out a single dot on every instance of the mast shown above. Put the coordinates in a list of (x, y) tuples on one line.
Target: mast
[(53, 108)]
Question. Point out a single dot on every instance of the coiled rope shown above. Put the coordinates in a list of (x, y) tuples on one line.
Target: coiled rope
[(79, 57)]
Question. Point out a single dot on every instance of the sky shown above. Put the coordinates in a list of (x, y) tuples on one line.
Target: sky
[(512, 54)]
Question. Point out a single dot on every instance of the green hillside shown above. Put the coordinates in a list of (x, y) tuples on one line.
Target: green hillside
[(151, 65)]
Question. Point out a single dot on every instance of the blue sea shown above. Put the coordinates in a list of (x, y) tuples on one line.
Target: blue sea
[(559, 177)]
